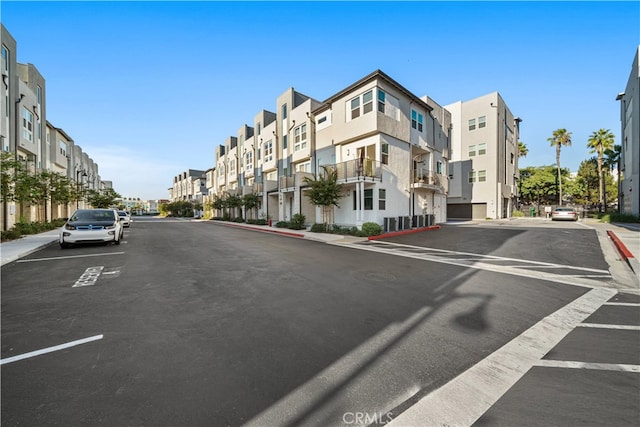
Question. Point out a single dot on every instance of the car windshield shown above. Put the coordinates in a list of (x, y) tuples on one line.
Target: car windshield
[(122, 213), (564, 209), (93, 215)]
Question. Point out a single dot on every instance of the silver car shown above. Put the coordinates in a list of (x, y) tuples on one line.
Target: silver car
[(564, 213), (92, 226)]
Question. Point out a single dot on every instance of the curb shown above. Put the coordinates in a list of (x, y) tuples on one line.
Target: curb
[(266, 230), (401, 233), (27, 252), (624, 252)]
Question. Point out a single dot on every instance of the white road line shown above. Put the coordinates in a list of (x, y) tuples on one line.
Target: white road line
[(467, 397), (69, 257), (49, 349), (624, 304), (608, 326), (585, 365), (489, 258)]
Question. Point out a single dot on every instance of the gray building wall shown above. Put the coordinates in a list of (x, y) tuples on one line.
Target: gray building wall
[(630, 142)]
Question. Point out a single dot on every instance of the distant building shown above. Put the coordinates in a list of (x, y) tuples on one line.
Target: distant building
[(483, 167), (630, 158)]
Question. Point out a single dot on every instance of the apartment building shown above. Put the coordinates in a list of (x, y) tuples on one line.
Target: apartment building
[(483, 169), (190, 185), (388, 146), (629, 201), (30, 138)]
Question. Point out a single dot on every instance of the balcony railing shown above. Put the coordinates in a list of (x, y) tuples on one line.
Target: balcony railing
[(297, 180), (357, 170), (425, 178)]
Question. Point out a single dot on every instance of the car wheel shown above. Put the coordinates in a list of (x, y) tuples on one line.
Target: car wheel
[(64, 245)]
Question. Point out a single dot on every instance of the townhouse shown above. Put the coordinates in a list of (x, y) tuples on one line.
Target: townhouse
[(483, 168), (30, 138), (629, 190), (190, 185), (388, 147)]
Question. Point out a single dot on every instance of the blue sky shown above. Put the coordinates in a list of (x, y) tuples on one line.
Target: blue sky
[(150, 89)]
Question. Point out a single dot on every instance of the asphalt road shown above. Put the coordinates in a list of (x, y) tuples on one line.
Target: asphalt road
[(193, 323)]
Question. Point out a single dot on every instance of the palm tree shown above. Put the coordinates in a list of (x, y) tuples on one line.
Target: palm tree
[(599, 142), (613, 160), (560, 137), (522, 149)]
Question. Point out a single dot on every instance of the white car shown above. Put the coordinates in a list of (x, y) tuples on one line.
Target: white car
[(125, 217), (92, 226)]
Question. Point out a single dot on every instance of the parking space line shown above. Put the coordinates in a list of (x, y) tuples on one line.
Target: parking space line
[(68, 257), (49, 349), (624, 304), (609, 326), (585, 365)]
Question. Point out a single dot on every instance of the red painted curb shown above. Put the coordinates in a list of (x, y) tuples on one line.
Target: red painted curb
[(626, 253), (400, 233)]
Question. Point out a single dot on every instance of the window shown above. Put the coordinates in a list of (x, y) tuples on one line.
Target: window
[(472, 124), (472, 150), (482, 149), (232, 167), (482, 176), (368, 199), (384, 149), (5, 58), (472, 176), (259, 128), (284, 142), (303, 167), (381, 101), (355, 108), (322, 119), (512, 156), (439, 167), (272, 176), (367, 102), (221, 170), (268, 151), (284, 111), (382, 199), (38, 95), (300, 137), (63, 148), (27, 124), (417, 120), (482, 122), (248, 160)]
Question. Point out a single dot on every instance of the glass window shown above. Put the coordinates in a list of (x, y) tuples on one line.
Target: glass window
[(248, 160), (355, 108), (482, 122), (384, 149), (381, 101), (268, 151), (420, 122), (439, 167), (414, 119), (482, 149), (27, 124), (284, 111), (472, 150), (482, 176), (5, 57), (472, 176), (284, 142), (368, 199), (367, 102), (472, 124), (382, 199), (300, 137)]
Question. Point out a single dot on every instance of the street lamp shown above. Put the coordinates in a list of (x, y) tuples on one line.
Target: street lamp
[(84, 173)]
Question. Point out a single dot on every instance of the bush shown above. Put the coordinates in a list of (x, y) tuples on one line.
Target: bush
[(319, 228), (517, 214), (619, 217), (282, 224), (11, 234), (297, 222), (371, 229), (261, 221)]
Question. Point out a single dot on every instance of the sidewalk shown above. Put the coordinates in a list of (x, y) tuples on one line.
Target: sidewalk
[(16, 249)]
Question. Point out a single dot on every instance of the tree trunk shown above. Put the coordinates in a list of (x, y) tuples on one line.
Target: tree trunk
[(559, 175), (600, 181)]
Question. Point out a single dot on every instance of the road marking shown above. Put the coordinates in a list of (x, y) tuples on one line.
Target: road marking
[(89, 277), (624, 304), (608, 326), (584, 365), (487, 266), (68, 257), (463, 400), (49, 349)]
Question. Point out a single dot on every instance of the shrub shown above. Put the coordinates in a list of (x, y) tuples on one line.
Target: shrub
[(282, 224), (261, 221), (297, 222), (619, 217), (371, 229), (11, 234), (517, 214), (319, 228)]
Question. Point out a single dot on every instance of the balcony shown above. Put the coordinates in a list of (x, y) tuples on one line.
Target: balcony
[(429, 180), (255, 188), (357, 170), (289, 183)]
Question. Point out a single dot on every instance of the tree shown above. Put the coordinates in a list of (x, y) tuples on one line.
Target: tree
[(250, 202), (560, 138), (599, 142), (522, 149), (612, 160), (538, 184), (324, 191), (102, 198)]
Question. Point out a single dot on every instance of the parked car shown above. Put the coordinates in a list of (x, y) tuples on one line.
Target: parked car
[(126, 218), (564, 213), (92, 226)]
